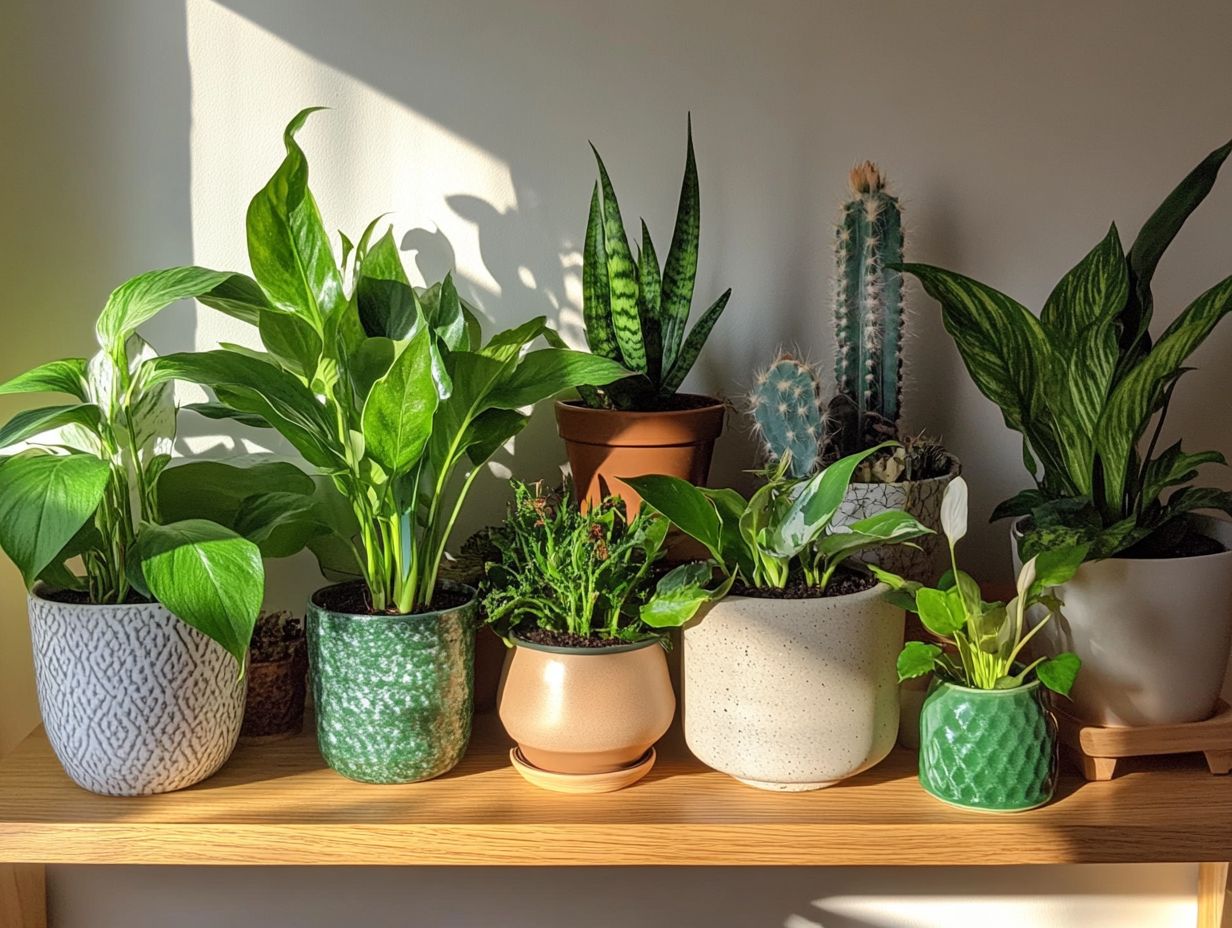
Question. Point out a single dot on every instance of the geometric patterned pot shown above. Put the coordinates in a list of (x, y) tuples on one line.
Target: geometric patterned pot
[(133, 700), (992, 750), (394, 694)]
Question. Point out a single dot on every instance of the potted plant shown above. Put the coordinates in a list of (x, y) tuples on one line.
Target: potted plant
[(139, 653), (586, 693), (789, 680), (277, 679), (637, 314), (790, 412), (1157, 571), (987, 737), (391, 393)]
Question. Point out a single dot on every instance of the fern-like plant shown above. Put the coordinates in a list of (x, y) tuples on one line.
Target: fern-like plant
[(635, 312)]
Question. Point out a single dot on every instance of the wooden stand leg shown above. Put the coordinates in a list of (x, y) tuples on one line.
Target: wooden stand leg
[(1098, 768), (1219, 761), (23, 896), (1212, 892)]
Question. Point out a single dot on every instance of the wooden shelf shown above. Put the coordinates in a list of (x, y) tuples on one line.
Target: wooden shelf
[(279, 804)]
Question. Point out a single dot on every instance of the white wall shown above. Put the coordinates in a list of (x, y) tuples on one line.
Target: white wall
[(139, 129)]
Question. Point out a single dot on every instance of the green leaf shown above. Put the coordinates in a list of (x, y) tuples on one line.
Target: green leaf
[(32, 422), (649, 290), (937, 613), (596, 296), (1173, 466), (1058, 673), (1056, 566), (387, 308), (548, 371), (239, 297), (218, 491), (687, 355), (680, 271), (383, 260), (1137, 395), (1192, 498), (685, 506), (288, 246), (916, 659), (208, 576), (279, 523), (397, 416), (621, 278), (145, 295), (1020, 504), (489, 431), (678, 596), (67, 376), (45, 499), (887, 527)]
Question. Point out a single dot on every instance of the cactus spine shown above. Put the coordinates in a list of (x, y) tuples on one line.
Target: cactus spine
[(787, 414), (868, 311)]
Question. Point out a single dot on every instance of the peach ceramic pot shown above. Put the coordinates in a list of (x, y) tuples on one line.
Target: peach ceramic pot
[(586, 710), (605, 445)]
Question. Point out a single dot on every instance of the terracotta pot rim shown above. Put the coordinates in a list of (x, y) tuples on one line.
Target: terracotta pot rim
[(1016, 535), (469, 606), (977, 691), (579, 406), (581, 651), (873, 592)]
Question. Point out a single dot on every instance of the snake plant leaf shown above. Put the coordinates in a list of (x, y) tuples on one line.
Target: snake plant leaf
[(397, 415), (1153, 240), (207, 575), (141, 298), (680, 271), (288, 247), (66, 376), (45, 499), (621, 278), (693, 345), (649, 290), (548, 371), (1136, 396), (33, 422), (596, 297)]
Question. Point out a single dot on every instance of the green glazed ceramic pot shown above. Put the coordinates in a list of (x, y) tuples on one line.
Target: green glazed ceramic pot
[(992, 750), (393, 693)]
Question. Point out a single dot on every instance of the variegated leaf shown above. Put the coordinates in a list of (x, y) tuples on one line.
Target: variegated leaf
[(680, 271), (693, 346), (621, 278), (596, 302)]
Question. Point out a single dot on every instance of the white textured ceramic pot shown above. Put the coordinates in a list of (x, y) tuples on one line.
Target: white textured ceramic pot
[(1153, 635), (922, 499), (792, 694), (133, 700)]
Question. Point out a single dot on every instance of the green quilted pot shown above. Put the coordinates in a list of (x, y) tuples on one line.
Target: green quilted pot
[(993, 750), (393, 693)]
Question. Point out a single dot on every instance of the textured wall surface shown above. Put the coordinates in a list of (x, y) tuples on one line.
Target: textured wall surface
[(137, 130)]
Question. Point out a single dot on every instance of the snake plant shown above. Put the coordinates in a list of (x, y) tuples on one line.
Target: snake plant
[(635, 312)]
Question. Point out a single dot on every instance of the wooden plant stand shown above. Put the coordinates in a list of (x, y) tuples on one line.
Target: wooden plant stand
[(1097, 750)]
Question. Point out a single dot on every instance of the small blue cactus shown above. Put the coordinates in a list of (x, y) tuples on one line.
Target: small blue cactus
[(786, 406)]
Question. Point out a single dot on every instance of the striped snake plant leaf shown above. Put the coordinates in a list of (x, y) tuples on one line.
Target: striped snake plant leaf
[(1153, 240), (596, 300), (650, 288), (1137, 396), (693, 346), (680, 271), (621, 278)]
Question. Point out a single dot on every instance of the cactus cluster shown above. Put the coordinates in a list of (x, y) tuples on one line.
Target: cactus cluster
[(786, 406)]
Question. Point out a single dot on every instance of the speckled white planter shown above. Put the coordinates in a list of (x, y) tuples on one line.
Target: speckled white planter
[(793, 694), (921, 498), (133, 700)]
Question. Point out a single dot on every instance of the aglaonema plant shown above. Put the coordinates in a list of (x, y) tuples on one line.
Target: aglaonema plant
[(635, 312), (94, 482), (1085, 383), (386, 389), (987, 641)]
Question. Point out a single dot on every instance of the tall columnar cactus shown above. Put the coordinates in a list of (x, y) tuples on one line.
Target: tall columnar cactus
[(868, 313), (787, 413)]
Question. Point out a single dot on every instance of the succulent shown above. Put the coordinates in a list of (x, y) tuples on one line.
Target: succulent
[(634, 312), (868, 314)]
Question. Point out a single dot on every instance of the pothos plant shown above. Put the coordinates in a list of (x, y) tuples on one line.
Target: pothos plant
[(586, 572), (784, 531), (94, 484), (986, 641), (387, 389), (635, 312), (1084, 383)]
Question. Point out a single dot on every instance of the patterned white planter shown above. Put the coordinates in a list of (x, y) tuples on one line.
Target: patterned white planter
[(792, 694), (921, 498), (133, 700)]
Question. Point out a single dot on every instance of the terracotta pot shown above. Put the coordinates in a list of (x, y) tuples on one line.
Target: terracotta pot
[(793, 694), (606, 444), (1153, 634), (586, 710), (276, 692)]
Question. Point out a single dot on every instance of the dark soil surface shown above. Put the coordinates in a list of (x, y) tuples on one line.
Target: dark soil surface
[(352, 599), (676, 403), (1191, 544), (843, 583), (82, 598), (565, 640)]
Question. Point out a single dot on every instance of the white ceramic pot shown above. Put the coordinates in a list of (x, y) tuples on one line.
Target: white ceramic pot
[(134, 701), (1153, 635), (792, 694), (921, 498)]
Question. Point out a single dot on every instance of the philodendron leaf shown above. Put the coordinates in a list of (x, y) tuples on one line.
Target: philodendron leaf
[(687, 508), (548, 371), (678, 596), (397, 417), (936, 612), (954, 510), (1056, 566), (917, 659), (67, 376), (1058, 673), (207, 575), (45, 499), (31, 422), (143, 297)]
